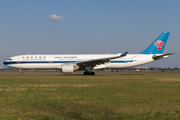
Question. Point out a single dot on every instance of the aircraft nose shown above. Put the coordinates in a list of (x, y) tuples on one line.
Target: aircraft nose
[(5, 63)]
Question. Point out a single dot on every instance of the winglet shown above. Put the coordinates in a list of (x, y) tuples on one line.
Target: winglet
[(124, 54)]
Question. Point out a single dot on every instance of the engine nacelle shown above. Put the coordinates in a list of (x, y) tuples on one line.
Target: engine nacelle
[(69, 68)]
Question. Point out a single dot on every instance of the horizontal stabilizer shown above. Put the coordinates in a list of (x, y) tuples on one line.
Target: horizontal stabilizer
[(157, 57)]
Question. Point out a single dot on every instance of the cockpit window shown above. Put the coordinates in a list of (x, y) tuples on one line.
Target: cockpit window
[(9, 59)]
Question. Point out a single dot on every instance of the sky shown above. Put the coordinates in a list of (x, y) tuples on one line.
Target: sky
[(88, 27)]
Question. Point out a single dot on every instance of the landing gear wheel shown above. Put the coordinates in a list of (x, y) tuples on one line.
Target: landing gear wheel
[(21, 73), (85, 73), (89, 73)]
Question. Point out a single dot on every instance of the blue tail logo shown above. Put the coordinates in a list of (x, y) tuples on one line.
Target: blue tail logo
[(158, 45)]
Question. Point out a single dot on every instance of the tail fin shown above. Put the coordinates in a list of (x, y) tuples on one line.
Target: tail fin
[(158, 45)]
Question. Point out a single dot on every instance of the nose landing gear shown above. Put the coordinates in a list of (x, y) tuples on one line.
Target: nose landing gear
[(20, 72)]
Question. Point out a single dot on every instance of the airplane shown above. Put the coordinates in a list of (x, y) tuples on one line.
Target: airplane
[(69, 63)]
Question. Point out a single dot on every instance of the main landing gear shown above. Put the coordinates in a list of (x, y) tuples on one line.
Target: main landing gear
[(89, 70), (89, 73), (20, 72)]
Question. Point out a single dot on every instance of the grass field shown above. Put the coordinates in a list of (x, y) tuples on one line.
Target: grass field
[(107, 95)]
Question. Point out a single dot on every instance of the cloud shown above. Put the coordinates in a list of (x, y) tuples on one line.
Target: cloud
[(148, 15), (25, 5), (55, 17), (45, 18)]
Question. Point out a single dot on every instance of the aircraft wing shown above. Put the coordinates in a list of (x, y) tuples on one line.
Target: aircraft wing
[(157, 57), (95, 62)]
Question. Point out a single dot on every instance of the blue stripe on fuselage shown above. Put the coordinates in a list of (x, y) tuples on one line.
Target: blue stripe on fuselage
[(55, 62), (35, 62)]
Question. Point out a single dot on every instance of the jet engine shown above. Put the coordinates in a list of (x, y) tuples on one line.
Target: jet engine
[(69, 67)]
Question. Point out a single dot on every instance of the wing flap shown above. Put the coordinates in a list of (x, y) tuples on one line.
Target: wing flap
[(95, 62)]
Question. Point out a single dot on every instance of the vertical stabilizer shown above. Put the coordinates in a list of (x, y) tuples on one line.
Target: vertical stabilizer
[(158, 45)]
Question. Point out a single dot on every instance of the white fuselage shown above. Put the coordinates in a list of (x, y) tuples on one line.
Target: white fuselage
[(55, 61)]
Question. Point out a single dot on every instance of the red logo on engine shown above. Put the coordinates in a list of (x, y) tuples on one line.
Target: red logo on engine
[(159, 44)]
